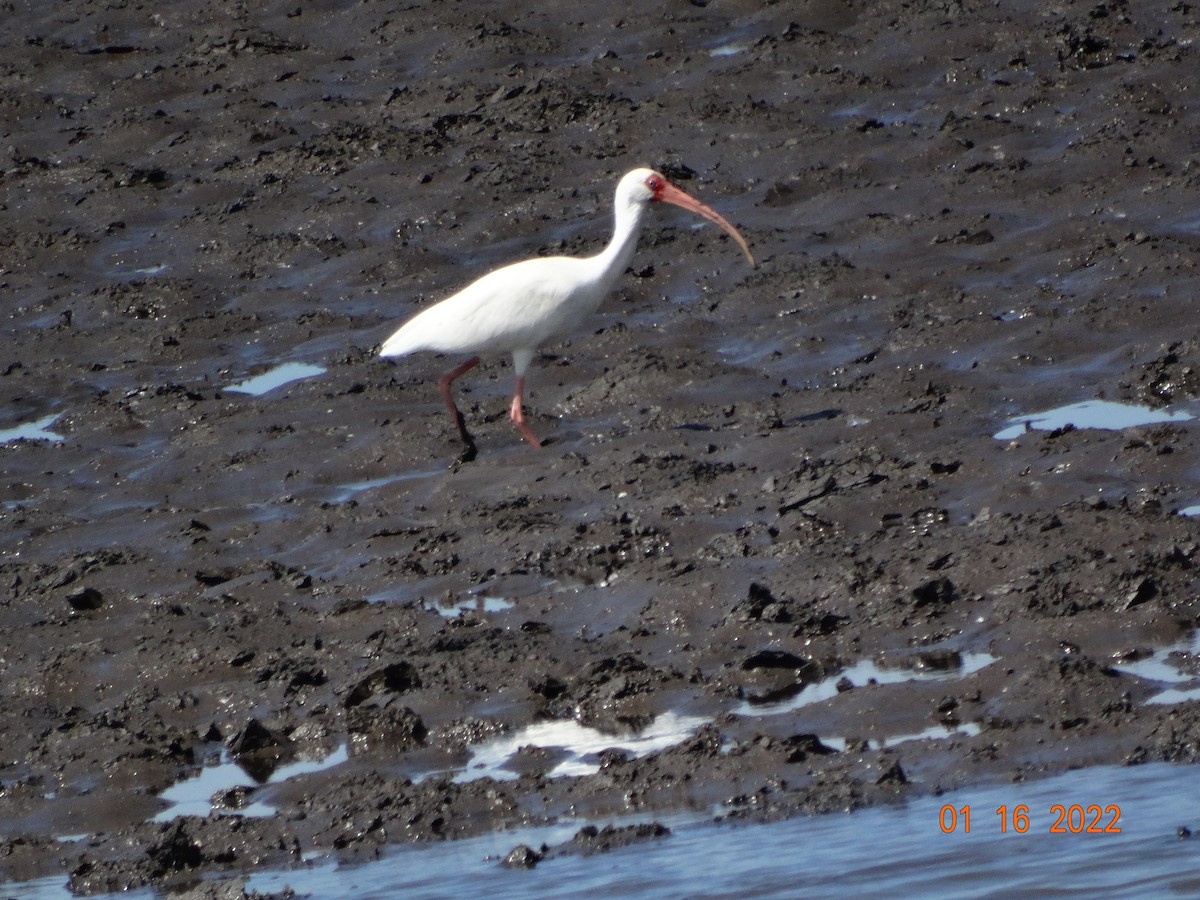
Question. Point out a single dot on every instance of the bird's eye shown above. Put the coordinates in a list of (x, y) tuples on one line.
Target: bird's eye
[(654, 183)]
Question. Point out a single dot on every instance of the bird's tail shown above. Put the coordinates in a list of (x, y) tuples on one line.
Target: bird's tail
[(401, 343)]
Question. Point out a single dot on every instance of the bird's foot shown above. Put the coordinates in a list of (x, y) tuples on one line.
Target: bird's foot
[(530, 438), (469, 452)]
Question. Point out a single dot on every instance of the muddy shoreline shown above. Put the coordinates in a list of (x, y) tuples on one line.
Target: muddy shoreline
[(757, 480)]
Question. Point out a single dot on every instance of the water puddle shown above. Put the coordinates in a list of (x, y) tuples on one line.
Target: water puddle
[(1102, 414), (861, 674), (194, 796), (1165, 667), (933, 733), (277, 377), (579, 744), (33, 431), (1190, 511)]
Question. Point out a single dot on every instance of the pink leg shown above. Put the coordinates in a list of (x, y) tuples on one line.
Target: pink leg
[(444, 389), (517, 414)]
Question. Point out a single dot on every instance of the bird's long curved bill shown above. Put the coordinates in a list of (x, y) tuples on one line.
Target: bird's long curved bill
[(672, 194)]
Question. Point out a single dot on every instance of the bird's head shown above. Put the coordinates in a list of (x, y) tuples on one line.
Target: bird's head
[(643, 186)]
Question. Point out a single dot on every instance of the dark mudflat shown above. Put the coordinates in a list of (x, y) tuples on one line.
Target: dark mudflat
[(962, 214)]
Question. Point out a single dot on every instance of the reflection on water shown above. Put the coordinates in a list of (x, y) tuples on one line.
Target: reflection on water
[(1102, 414), (276, 377)]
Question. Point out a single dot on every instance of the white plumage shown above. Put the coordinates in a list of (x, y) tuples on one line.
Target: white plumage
[(489, 315)]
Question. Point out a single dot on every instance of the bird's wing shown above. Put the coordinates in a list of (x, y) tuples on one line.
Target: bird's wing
[(515, 307)]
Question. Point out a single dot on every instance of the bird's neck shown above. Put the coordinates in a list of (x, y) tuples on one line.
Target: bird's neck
[(614, 259)]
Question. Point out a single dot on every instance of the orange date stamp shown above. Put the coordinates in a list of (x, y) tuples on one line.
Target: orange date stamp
[(1062, 819)]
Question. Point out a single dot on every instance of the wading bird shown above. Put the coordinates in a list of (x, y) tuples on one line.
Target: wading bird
[(518, 308)]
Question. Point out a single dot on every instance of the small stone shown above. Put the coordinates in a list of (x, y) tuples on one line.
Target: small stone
[(521, 857)]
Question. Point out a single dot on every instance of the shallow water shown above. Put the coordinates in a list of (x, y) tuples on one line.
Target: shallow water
[(823, 856)]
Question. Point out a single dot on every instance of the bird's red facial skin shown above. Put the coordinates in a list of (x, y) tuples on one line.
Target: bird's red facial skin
[(655, 184)]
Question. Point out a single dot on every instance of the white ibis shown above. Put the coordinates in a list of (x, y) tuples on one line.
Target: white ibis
[(517, 308)]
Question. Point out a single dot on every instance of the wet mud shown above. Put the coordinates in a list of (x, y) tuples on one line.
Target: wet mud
[(757, 480)]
